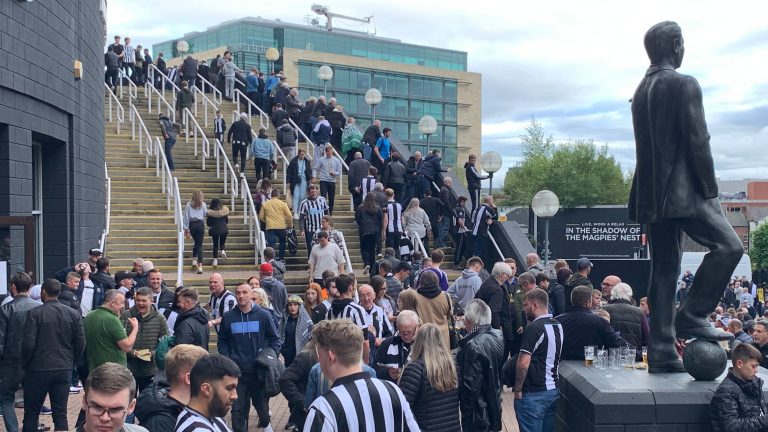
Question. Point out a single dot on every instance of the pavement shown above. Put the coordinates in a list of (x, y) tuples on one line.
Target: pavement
[(278, 405)]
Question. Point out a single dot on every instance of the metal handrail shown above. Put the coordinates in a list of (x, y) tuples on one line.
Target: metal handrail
[(417, 243), (108, 207), (280, 154), (207, 103), (143, 133), (496, 245), (230, 177), (119, 111), (133, 91), (250, 104), (311, 145), (160, 98), (251, 219), (170, 185), (196, 130), (216, 92), (346, 254), (164, 78)]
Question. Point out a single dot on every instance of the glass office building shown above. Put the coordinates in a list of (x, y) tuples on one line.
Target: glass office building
[(414, 80)]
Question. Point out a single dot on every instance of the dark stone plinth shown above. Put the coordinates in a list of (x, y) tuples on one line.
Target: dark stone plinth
[(633, 400)]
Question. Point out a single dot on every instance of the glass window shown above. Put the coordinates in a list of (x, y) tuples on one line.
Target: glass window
[(449, 134), (341, 78), (380, 82), (417, 109), (417, 87), (400, 108), (363, 80), (434, 109), (450, 91), (436, 89), (397, 84), (449, 112)]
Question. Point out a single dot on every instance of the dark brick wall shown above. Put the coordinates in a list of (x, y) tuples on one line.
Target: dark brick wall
[(41, 102)]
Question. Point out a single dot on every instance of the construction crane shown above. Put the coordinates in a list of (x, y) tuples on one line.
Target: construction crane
[(326, 12)]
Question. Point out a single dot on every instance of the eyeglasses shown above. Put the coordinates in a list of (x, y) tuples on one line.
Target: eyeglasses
[(407, 332), (114, 413)]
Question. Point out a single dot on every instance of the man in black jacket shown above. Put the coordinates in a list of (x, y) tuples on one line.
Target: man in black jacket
[(627, 319), (448, 199), (358, 169), (102, 276), (192, 323), (495, 293), (473, 181), (738, 404), (240, 135), (583, 328), (53, 339), (13, 316), (159, 405), (480, 358), (371, 135), (293, 386), (581, 277), (162, 297)]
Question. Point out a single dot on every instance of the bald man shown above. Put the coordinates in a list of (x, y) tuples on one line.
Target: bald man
[(221, 300), (533, 264), (607, 285)]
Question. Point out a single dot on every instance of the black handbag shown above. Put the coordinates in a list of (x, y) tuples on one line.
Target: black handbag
[(453, 334)]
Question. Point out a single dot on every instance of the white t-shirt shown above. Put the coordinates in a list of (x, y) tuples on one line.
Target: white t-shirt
[(86, 300)]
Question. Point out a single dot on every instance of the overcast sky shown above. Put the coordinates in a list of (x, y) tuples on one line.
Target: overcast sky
[(571, 65)]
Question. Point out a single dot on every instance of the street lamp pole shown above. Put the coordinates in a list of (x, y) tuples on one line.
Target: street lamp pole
[(427, 126), (373, 98), (490, 162), (545, 204), (272, 55), (325, 73)]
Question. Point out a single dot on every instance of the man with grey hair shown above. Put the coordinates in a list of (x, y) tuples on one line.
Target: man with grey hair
[(495, 293), (480, 358), (533, 264), (536, 376), (105, 336), (736, 327), (627, 319), (392, 355)]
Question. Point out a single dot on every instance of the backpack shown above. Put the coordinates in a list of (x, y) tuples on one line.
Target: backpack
[(292, 241), (166, 343)]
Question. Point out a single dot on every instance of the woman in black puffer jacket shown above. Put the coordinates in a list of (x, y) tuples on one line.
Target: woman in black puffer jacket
[(430, 382)]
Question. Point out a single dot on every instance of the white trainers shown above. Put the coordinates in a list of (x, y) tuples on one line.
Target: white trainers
[(74, 390), (223, 254), (199, 269), (366, 270), (296, 216), (215, 263), (194, 262), (237, 168)]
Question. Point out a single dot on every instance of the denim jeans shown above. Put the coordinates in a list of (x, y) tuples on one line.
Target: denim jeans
[(445, 228), (299, 193), (273, 236), (169, 143), (480, 241), (536, 411), (10, 378), (367, 151)]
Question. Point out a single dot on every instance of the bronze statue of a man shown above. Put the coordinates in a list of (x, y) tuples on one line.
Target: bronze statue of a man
[(674, 191)]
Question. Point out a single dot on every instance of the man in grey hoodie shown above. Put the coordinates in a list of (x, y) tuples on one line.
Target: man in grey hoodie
[(228, 70), (463, 290)]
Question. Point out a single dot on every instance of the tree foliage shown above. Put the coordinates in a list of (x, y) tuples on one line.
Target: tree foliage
[(579, 172), (758, 247)]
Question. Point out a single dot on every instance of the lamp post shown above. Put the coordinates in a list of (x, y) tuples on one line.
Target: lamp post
[(182, 47), (427, 126), (324, 74), (545, 204), (373, 98), (272, 55), (490, 162)]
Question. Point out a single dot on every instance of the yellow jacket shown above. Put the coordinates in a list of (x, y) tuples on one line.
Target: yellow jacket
[(276, 214)]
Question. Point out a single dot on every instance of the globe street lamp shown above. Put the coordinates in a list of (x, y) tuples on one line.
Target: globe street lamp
[(545, 204), (182, 47), (324, 74), (373, 98), (427, 126), (272, 55), (490, 162)]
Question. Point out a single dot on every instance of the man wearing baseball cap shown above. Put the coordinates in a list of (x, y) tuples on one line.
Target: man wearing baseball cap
[(93, 256), (581, 277)]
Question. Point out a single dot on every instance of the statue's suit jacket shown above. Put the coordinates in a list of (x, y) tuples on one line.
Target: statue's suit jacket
[(674, 172)]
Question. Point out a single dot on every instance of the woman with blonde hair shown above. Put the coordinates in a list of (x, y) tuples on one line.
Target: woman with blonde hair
[(260, 297), (416, 221), (313, 302), (407, 300), (430, 382), (194, 226)]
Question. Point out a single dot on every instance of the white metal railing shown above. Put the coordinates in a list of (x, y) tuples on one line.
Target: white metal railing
[(139, 128), (163, 80), (108, 211), (133, 91), (417, 243), (151, 90), (251, 219), (280, 155), (216, 92), (119, 111), (496, 246), (230, 177), (346, 254), (170, 186), (208, 105), (190, 120), (252, 108)]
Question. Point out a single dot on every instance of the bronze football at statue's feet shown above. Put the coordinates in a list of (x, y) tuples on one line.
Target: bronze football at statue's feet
[(669, 366)]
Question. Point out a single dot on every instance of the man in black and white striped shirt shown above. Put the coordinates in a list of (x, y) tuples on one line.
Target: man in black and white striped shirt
[(481, 221), (221, 302), (355, 401), (344, 307), (213, 389), (536, 378), (393, 221), (368, 183), (311, 212)]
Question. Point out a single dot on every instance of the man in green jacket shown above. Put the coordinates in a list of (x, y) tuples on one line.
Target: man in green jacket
[(152, 327), (105, 337)]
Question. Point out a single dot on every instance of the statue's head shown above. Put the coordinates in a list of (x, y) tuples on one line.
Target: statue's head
[(664, 43)]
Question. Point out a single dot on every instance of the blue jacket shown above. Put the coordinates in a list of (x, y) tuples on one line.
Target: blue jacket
[(251, 83), (322, 135), (261, 148), (431, 167), (243, 335), (271, 83)]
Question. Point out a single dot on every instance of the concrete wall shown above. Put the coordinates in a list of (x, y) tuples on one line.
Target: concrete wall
[(40, 102)]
